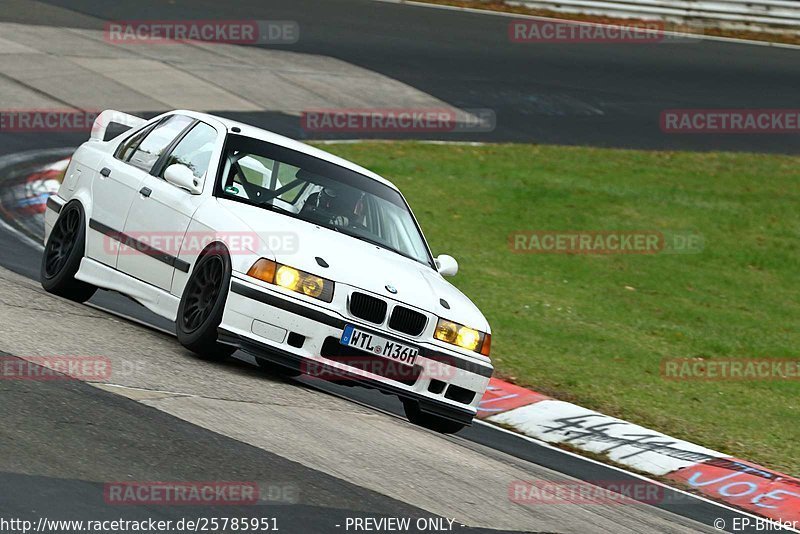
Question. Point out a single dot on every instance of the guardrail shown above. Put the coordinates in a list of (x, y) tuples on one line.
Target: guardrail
[(764, 15)]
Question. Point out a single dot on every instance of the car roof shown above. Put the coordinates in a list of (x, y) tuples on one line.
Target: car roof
[(277, 139)]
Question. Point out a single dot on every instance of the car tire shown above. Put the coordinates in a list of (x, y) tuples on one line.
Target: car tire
[(429, 421), (63, 254), (203, 303)]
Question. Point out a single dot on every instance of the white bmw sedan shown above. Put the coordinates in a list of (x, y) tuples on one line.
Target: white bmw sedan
[(250, 240)]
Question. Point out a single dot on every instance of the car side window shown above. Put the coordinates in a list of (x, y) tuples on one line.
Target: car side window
[(258, 175), (125, 150), (194, 150), (157, 140)]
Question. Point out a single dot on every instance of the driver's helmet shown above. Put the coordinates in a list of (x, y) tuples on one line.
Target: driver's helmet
[(344, 206), (326, 199)]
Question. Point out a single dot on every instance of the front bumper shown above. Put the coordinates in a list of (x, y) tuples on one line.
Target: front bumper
[(299, 334)]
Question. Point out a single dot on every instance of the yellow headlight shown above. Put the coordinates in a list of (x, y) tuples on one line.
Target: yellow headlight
[(313, 285), (446, 331), (460, 335), (292, 279), (468, 338), (287, 277)]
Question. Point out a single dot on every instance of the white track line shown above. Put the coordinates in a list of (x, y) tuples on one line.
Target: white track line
[(22, 237)]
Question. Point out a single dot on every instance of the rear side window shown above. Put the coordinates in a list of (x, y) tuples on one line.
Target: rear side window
[(157, 140)]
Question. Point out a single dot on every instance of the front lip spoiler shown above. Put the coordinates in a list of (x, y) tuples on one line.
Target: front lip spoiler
[(293, 361), (322, 317)]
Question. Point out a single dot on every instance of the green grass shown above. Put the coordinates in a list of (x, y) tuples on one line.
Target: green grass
[(593, 329)]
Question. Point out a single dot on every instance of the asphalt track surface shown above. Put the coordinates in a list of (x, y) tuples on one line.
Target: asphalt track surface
[(180, 419), (575, 94)]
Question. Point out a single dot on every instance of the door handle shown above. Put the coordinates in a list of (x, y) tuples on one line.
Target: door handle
[(105, 172), (145, 192)]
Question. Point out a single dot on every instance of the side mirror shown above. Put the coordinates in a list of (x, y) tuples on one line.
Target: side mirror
[(446, 265), (183, 177)]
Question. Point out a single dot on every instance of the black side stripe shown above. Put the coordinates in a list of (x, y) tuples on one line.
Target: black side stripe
[(54, 205), (144, 248), (286, 305), (324, 318)]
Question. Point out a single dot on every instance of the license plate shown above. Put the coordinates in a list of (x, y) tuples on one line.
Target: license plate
[(392, 350)]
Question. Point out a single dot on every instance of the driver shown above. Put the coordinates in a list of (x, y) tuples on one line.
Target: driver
[(341, 208)]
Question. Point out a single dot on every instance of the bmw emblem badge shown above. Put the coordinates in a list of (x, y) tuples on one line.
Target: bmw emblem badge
[(391, 289)]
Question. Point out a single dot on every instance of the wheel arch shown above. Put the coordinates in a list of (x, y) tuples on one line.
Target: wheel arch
[(180, 279), (82, 199)]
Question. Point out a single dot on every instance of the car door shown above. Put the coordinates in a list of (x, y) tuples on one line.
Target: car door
[(160, 214), (113, 191)]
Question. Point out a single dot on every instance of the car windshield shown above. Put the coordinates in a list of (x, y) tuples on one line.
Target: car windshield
[(305, 187)]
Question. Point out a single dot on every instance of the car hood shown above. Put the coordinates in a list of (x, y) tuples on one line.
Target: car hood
[(356, 263)]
